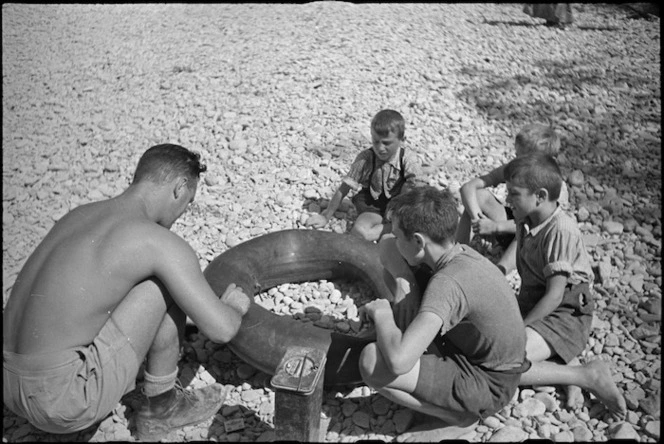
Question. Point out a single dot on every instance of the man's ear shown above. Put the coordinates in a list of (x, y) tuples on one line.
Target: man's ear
[(180, 187)]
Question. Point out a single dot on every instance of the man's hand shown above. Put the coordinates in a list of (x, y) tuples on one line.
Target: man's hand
[(316, 221), (484, 226), (236, 298)]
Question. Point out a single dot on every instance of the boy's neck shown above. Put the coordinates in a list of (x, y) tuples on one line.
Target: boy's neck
[(435, 251), (542, 213)]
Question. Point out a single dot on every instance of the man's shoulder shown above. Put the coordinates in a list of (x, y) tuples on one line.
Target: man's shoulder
[(145, 231)]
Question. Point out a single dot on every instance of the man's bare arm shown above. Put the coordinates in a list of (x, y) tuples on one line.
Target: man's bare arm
[(177, 267)]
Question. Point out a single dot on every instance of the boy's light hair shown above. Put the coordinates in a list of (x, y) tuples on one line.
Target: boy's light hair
[(535, 171), (388, 120), (426, 210), (537, 137)]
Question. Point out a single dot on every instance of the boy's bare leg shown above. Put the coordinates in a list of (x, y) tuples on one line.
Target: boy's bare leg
[(368, 226), (491, 206), (401, 281), (594, 377), (508, 259), (463, 229), (398, 389), (574, 394)]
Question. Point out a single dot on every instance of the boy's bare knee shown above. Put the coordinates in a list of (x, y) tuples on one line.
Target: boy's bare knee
[(368, 361), (387, 249), (359, 231), (537, 349)]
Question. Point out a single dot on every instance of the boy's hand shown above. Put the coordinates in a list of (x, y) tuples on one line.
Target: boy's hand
[(484, 226), (368, 311), (316, 221), (236, 298)]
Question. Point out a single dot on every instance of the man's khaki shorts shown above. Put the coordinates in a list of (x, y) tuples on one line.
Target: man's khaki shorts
[(69, 391)]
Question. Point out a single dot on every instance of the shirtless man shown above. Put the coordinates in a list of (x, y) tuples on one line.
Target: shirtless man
[(109, 286)]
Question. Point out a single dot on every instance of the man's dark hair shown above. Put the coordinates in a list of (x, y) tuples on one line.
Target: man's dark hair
[(426, 210), (165, 162)]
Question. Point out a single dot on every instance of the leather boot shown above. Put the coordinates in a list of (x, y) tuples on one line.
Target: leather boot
[(177, 408)]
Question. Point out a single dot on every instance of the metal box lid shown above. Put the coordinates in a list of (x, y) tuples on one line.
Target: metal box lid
[(299, 370)]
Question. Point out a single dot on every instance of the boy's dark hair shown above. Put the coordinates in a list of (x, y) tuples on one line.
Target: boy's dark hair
[(537, 137), (389, 120), (163, 163), (535, 171), (426, 210)]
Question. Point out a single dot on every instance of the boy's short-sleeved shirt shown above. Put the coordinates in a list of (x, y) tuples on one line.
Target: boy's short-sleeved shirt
[(496, 178), (554, 246), (478, 308), (386, 174)]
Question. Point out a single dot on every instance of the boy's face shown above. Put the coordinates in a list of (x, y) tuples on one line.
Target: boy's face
[(409, 249), (386, 146), (522, 201), (520, 150)]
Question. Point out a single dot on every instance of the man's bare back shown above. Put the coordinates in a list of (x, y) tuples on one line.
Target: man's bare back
[(89, 262), (76, 277)]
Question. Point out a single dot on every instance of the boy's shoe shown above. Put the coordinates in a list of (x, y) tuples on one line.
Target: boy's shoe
[(177, 408)]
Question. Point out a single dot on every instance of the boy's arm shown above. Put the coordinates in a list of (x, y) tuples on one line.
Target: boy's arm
[(413, 175), (553, 296), (335, 202), (401, 351), (319, 220), (485, 226)]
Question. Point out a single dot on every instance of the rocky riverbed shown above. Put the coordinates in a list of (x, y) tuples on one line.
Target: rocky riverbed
[(278, 99)]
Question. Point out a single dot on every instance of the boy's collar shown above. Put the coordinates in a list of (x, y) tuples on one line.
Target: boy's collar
[(395, 161), (446, 255), (533, 230)]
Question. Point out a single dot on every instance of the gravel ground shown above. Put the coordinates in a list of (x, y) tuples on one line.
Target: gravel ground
[(278, 100)]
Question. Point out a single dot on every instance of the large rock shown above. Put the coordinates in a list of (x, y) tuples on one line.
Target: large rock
[(529, 407), (623, 430), (509, 434)]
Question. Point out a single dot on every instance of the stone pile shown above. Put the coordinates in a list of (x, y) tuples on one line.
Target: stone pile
[(278, 100)]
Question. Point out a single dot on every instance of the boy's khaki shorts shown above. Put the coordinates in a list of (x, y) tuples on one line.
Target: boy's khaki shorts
[(69, 391), (455, 385), (364, 203), (567, 328)]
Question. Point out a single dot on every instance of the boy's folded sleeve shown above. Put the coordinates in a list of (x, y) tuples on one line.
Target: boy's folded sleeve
[(358, 169), (558, 267), (352, 183)]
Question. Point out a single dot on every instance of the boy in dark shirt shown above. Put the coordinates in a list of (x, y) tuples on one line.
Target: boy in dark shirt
[(467, 300)]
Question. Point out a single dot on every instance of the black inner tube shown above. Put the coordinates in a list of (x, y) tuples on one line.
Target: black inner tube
[(293, 256)]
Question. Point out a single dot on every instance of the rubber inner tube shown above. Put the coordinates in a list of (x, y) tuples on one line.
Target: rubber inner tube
[(293, 256)]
